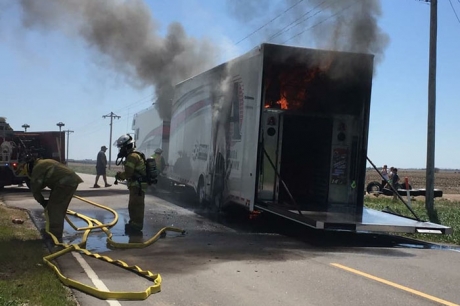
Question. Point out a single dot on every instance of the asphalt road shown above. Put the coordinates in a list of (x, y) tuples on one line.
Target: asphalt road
[(227, 259)]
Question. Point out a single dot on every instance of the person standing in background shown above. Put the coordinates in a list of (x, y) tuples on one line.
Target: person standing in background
[(385, 176), (101, 165)]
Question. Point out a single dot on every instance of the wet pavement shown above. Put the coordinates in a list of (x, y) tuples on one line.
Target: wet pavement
[(162, 214)]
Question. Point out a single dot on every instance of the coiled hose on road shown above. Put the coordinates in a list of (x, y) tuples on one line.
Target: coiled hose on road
[(80, 247)]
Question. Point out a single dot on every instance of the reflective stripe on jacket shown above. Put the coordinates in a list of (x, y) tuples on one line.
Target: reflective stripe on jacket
[(134, 169)]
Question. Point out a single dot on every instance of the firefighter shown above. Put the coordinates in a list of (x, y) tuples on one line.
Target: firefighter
[(159, 160), (62, 181), (134, 171)]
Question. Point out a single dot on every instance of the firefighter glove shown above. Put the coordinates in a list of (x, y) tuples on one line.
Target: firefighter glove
[(118, 176)]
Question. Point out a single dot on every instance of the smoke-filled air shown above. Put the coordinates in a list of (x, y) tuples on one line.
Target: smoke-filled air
[(339, 25), (127, 34)]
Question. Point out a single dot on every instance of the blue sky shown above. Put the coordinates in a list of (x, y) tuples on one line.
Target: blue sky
[(50, 74)]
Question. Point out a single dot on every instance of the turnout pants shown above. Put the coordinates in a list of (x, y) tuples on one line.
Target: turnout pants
[(136, 207), (58, 203)]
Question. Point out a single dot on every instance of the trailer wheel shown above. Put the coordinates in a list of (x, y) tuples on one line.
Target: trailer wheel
[(218, 182), (201, 193), (218, 201), (373, 187)]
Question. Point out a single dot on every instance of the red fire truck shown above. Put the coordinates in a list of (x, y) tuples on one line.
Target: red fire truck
[(16, 145)]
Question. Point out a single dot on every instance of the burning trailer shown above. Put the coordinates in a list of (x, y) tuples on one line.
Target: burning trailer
[(282, 130)]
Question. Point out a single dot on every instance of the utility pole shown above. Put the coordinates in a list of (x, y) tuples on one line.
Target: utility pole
[(111, 115), (68, 140), (25, 126), (429, 197), (60, 125)]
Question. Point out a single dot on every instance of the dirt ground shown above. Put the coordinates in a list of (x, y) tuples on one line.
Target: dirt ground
[(447, 181)]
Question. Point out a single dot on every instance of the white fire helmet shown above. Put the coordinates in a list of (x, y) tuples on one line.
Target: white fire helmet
[(124, 141)]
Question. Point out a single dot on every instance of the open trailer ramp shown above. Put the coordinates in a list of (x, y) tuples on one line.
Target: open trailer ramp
[(370, 221)]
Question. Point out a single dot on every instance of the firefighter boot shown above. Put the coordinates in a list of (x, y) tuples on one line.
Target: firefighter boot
[(132, 230)]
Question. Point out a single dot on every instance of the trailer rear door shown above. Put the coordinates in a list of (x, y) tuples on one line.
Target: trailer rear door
[(296, 159)]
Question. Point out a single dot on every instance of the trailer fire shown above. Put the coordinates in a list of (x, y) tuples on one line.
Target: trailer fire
[(282, 130)]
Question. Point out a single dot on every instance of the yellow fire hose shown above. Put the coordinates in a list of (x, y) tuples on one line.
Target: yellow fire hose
[(80, 247)]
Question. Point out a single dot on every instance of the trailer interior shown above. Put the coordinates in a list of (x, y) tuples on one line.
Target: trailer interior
[(313, 142)]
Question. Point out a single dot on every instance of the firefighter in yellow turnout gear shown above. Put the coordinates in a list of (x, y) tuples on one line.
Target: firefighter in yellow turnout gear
[(159, 160), (62, 181), (134, 171)]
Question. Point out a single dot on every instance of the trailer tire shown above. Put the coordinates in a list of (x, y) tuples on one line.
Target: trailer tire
[(218, 201), (373, 187), (201, 193)]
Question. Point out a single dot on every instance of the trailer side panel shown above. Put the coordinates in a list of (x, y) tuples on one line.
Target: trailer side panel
[(214, 130)]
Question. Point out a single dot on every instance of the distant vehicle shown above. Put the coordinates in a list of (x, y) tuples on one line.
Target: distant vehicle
[(15, 146), (377, 188), (281, 130)]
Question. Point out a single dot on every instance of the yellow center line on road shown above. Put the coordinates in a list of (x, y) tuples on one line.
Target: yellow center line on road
[(381, 280)]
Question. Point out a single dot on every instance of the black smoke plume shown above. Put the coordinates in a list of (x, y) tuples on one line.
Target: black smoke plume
[(127, 35), (338, 25)]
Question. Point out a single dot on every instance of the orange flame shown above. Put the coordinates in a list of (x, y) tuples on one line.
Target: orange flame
[(294, 85), (283, 102)]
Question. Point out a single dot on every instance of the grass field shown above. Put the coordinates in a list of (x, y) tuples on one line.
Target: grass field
[(24, 278), (448, 214), (447, 181), (90, 168)]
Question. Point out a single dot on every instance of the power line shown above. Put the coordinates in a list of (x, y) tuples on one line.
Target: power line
[(297, 21), (94, 126), (138, 102), (339, 12), (149, 97), (241, 40), (263, 26), (455, 12)]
